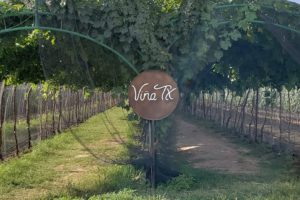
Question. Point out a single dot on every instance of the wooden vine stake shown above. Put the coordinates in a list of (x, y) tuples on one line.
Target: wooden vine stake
[(15, 113), (59, 128), (40, 98), (53, 111), (28, 116), (46, 113), (153, 95), (2, 87)]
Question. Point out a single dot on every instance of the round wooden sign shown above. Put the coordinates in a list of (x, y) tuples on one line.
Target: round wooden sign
[(153, 95)]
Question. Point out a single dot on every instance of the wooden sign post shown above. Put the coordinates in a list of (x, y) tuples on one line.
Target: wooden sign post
[(153, 95)]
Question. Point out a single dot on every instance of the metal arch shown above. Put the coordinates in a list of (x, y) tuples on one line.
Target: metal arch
[(224, 6), (252, 21), (263, 22), (236, 5), (24, 28), (217, 7), (25, 13)]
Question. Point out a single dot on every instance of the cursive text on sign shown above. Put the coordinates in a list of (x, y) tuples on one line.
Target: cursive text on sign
[(141, 94)]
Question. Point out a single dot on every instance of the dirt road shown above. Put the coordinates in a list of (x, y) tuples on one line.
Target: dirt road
[(205, 149)]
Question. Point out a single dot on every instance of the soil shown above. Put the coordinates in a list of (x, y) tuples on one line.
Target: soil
[(204, 149)]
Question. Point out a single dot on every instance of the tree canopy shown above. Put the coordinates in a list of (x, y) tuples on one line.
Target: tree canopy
[(204, 44)]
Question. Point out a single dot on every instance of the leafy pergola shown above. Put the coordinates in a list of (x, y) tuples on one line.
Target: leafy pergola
[(190, 39), (205, 45)]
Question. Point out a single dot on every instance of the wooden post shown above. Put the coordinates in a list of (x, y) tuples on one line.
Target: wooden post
[(203, 105), (290, 116), (60, 109), (28, 117), (46, 113), (53, 111), (224, 108), (105, 102), (69, 107), (102, 102), (152, 153), (98, 102), (243, 112), (211, 106), (252, 115), (230, 111), (237, 112), (73, 107), (217, 111), (91, 105), (88, 103), (280, 118), (84, 109), (76, 108), (41, 112), (256, 115), (110, 100), (264, 123), (2, 108), (272, 115), (15, 113)]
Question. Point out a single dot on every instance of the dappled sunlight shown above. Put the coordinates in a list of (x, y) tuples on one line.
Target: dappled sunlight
[(187, 148), (149, 99)]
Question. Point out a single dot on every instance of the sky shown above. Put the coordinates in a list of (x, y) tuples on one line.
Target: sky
[(296, 1)]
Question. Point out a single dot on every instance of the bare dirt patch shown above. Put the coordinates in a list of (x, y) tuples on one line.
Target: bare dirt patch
[(204, 150)]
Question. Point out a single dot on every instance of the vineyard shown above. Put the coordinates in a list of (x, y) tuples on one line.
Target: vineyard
[(265, 115), (85, 112), (30, 114)]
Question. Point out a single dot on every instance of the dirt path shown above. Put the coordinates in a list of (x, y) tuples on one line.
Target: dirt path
[(204, 149)]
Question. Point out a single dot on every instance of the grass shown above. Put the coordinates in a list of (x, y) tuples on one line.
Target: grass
[(278, 177), (22, 132), (61, 168)]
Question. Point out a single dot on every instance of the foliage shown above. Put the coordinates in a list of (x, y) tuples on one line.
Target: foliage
[(43, 166), (182, 183), (204, 47), (19, 59), (190, 39)]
